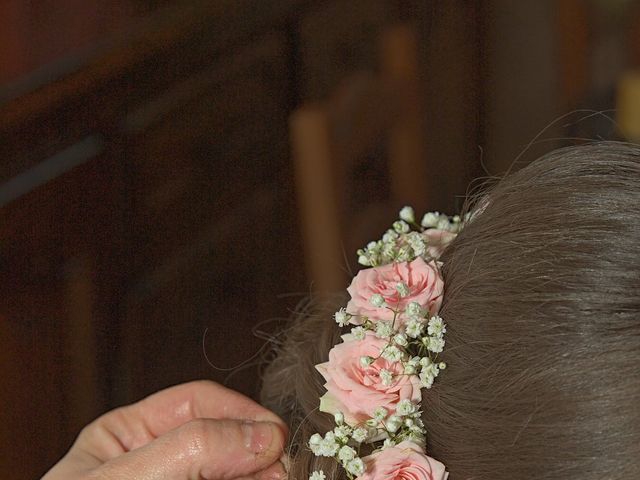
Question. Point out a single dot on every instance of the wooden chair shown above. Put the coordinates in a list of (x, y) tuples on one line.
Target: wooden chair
[(327, 139)]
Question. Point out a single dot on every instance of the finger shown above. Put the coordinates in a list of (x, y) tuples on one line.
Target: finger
[(275, 471), (133, 426), (202, 449)]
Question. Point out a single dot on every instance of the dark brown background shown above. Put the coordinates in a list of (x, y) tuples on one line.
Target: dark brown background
[(146, 186)]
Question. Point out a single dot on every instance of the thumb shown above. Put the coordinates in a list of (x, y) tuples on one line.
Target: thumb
[(201, 449)]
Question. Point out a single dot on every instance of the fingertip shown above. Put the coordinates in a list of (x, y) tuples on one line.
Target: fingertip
[(275, 471)]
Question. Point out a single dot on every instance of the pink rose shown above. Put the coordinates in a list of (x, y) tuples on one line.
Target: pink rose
[(405, 461), (357, 390), (437, 241), (423, 279)]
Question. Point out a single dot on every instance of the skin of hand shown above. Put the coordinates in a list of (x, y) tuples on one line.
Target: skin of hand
[(196, 431)]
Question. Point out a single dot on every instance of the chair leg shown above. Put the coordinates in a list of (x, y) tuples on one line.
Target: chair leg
[(319, 213)]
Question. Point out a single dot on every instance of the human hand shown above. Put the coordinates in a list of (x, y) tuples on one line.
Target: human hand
[(195, 431)]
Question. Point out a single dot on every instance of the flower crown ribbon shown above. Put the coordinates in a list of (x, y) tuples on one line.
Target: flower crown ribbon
[(375, 377)]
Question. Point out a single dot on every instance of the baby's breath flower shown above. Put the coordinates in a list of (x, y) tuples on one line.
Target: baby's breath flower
[(365, 360), (342, 317), (380, 413), (442, 365), (404, 254), (364, 260), (355, 467), (401, 226), (436, 326), (390, 236), (339, 418), (392, 353), (414, 328), (430, 219), (405, 407), (393, 423), (384, 329), (386, 377), (443, 223), (428, 375), (403, 289), (372, 422), (359, 434), (388, 443), (426, 379), (400, 339), (407, 214), (414, 309), (409, 369), (425, 362), (436, 345), (342, 432), (346, 453), (417, 243), (328, 446), (358, 333), (317, 475), (315, 440), (377, 300)]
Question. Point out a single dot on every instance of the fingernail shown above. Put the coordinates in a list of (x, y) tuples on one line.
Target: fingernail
[(257, 436), (274, 472)]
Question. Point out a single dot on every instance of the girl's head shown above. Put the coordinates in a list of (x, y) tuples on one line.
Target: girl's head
[(542, 304)]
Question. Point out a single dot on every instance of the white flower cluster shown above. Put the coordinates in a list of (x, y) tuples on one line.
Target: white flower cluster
[(341, 444), (413, 338), (401, 243)]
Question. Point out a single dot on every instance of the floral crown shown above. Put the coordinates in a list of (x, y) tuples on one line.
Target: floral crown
[(374, 378)]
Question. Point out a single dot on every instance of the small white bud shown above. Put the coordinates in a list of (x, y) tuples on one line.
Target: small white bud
[(346, 453), (360, 434), (442, 365), (388, 443), (380, 413), (342, 317), (339, 418), (392, 353), (386, 377), (401, 226), (390, 236), (358, 333), (405, 407), (443, 223), (414, 328), (407, 214), (365, 361), (400, 339), (372, 422), (393, 423), (355, 467), (317, 475), (425, 362), (430, 219), (315, 439), (414, 309), (364, 260), (436, 345), (403, 289), (377, 300), (384, 329), (409, 369)]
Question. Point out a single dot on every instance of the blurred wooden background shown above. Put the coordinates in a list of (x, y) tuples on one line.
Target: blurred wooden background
[(148, 194)]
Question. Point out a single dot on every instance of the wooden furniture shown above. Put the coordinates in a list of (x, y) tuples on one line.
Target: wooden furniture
[(147, 197), (330, 139)]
